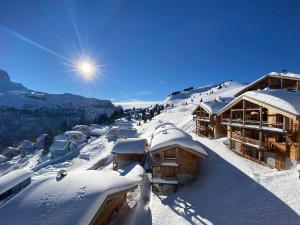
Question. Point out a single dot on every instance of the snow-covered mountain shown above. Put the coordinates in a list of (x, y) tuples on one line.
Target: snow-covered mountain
[(25, 113), (205, 93), (16, 95)]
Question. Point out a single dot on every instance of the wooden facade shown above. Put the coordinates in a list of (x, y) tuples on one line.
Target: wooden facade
[(120, 160), (207, 124), (110, 207), (174, 165), (263, 133), (273, 82)]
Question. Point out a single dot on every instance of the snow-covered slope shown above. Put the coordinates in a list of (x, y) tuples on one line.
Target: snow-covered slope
[(26, 113), (206, 93)]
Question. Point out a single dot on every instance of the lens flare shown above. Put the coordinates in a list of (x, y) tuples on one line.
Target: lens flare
[(87, 69)]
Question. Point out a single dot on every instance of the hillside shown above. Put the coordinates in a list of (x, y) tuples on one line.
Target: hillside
[(206, 93), (26, 113)]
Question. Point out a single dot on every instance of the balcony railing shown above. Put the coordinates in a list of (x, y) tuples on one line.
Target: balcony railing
[(248, 140), (287, 127), (159, 161), (202, 118)]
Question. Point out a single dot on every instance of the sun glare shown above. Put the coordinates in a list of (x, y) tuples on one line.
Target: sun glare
[(87, 70)]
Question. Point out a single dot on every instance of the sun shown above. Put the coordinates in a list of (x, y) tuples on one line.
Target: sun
[(87, 69)]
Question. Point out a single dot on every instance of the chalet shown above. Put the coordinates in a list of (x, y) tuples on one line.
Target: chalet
[(127, 133), (264, 126), (207, 120), (61, 147), (77, 198), (13, 182), (274, 80), (174, 155), (126, 151)]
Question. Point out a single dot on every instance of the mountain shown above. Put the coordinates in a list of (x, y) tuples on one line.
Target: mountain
[(25, 113), (205, 93)]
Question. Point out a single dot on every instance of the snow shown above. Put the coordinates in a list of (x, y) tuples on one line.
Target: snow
[(2, 159), (271, 74), (134, 171), (288, 101), (130, 146), (13, 178), (173, 136), (73, 199), (156, 180), (229, 189), (136, 104), (60, 145), (213, 107), (282, 99), (206, 93), (288, 74), (173, 164), (126, 133)]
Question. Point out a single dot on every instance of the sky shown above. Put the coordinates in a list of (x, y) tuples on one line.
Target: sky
[(146, 49)]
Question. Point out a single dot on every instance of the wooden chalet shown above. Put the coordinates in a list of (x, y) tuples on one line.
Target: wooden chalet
[(207, 120), (126, 151), (264, 126), (274, 80), (81, 197), (175, 157)]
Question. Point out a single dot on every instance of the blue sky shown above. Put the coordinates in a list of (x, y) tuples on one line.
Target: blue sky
[(147, 48)]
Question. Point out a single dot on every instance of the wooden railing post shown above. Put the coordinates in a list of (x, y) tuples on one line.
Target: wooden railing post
[(243, 112)]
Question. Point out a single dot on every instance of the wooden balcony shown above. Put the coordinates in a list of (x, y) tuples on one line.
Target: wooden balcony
[(164, 162), (248, 140), (265, 125), (202, 118), (201, 127)]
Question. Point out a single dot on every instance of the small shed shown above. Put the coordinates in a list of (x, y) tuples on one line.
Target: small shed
[(175, 156), (61, 147), (127, 133), (77, 198), (126, 151)]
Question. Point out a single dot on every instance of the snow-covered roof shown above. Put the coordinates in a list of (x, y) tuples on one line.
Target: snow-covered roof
[(72, 200), (286, 75), (174, 136), (130, 146), (213, 107), (163, 125), (127, 133), (26, 144), (2, 158), (59, 145), (281, 99), (13, 178)]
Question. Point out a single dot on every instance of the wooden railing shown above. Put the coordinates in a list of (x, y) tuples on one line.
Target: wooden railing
[(287, 127), (204, 118), (159, 161), (246, 139)]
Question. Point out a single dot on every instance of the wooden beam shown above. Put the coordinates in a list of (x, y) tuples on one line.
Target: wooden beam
[(260, 116), (244, 111)]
